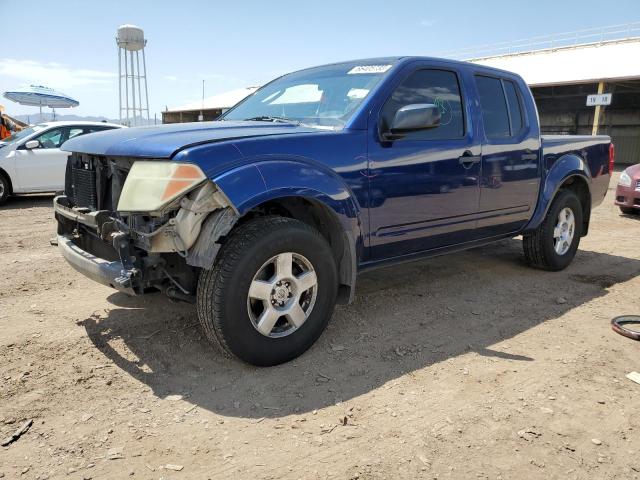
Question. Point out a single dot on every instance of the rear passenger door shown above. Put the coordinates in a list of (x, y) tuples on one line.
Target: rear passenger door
[(509, 181)]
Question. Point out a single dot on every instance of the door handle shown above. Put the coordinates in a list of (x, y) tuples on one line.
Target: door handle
[(468, 159)]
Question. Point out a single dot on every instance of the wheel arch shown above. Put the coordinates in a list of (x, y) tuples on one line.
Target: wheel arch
[(316, 196), (6, 175), (569, 172), (580, 186)]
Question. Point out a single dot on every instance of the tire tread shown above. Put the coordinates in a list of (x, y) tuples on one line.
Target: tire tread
[(7, 188), (210, 297), (533, 243)]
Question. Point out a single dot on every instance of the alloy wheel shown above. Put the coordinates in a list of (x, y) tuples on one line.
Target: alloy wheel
[(563, 231), (282, 295)]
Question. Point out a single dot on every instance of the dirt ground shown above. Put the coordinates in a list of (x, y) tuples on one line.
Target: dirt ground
[(469, 366)]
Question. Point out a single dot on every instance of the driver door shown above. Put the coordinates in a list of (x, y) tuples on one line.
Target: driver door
[(42, 169), (424, 188)]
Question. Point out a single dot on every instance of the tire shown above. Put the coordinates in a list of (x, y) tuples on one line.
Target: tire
[(5, 189), (629, 211), (230, 316), (541, 247)]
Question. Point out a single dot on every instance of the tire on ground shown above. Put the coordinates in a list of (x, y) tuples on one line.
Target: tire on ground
[(629, 211), (5, 188), (222, 297), (538, 245)]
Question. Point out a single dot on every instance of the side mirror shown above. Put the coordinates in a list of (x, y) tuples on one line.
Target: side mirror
[(31, 144), (412, 118)]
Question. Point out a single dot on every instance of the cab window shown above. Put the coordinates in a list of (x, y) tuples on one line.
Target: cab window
[(495, 115), (430, 86), (501, 104), (51, 139), (75, 131), (515, 107), (93, 129)]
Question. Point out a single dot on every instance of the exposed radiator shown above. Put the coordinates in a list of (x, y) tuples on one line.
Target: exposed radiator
[(84, 188)]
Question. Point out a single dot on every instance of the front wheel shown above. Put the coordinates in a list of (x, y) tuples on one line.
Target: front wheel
[(5, 189), (554, 243), (271, 292)]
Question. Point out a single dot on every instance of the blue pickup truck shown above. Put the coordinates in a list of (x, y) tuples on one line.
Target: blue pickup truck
[(265, 218)]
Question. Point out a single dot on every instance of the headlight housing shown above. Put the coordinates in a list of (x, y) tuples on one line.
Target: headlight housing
[(625, 179), (150, 185)]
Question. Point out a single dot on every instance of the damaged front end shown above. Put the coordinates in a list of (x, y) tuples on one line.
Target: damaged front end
[(141, 225)]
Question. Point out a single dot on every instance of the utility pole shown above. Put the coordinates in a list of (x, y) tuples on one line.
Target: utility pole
[(596, 114), (201, 117)]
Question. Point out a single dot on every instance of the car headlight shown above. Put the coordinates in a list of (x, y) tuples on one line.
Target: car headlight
[(150, 185), (625, 179)]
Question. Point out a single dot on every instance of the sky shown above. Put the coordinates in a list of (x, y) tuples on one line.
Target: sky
[(69, 45)]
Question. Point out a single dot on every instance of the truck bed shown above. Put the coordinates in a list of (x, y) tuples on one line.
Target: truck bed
[(593, 150)]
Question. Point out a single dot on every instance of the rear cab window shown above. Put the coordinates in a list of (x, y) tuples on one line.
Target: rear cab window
[(97, 128), (514, 103), (74, 132), (501, 104)]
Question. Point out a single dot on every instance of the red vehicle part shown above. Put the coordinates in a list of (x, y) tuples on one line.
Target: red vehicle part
[(628, 196)]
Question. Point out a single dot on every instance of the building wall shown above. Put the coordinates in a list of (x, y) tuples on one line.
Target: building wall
[(190, 115), (573, 64), (562, 77), (563, 110)]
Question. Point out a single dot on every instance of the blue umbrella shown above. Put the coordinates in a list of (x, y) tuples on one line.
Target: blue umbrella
[(39, 96)]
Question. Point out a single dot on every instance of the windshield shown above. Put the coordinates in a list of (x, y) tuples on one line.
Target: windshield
[(324, 97), (24, 133)]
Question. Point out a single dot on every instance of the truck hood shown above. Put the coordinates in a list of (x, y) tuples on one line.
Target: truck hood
[(164, 141)]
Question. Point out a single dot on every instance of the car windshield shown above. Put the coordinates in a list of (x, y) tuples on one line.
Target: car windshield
[(24, 133), (322, 97)]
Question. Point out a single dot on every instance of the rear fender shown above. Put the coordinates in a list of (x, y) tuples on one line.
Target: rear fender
[(563, 169), (251, 185)]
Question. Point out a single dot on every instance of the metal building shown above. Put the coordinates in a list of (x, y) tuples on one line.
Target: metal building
[(563, 70), (206, 109)]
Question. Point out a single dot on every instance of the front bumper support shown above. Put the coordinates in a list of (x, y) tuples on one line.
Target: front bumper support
[(111, 274), (101, 248), (92, 220)]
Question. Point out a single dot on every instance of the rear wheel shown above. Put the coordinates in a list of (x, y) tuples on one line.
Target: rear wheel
[(5, 189), (554, 243), (271, 292)]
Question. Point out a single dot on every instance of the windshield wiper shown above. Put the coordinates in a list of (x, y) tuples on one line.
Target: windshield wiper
[(267, 118)]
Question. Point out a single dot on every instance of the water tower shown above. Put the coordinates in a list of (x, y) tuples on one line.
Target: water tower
[(133, 94)]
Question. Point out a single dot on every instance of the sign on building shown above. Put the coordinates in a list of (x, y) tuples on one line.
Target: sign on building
[(598, 99)]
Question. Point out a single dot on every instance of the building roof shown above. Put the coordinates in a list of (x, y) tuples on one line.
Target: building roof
[(72, 123), (573, 64), (217, 102)]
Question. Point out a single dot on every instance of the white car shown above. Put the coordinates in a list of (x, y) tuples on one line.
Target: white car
[(31, 160)]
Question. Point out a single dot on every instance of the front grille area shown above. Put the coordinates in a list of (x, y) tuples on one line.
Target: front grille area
[(95, 181), (83, 187), (637, 184)]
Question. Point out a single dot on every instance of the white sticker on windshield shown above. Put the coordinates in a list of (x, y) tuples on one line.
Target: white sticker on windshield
[(369, 69)]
